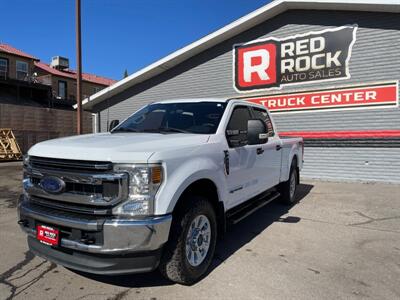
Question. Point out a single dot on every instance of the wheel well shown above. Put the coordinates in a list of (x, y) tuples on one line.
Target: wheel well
[(207, 189)]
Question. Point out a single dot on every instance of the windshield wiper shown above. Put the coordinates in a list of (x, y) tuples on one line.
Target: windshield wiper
[(153, 130), (122, 129), (172, 129)]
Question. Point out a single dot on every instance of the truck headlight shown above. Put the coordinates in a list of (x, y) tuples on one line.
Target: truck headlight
[(144, 182), (26, 181)]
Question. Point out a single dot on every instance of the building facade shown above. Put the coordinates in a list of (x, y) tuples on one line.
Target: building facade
[(30, 98), (327, 71), (15, 64), (63, 81), (27, 80), (17, 80)]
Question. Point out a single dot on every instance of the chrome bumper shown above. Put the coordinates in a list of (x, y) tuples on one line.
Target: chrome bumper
[(119, 235)]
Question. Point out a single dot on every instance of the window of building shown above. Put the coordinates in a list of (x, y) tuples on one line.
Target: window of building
[(263, 115), (62, 89), (96, 89), (3, 68), (22, 70)]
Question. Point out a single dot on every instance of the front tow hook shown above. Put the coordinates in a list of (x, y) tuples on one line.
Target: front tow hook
[(24, 223)]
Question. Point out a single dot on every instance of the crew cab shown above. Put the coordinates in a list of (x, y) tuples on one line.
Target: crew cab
[(158, 189)]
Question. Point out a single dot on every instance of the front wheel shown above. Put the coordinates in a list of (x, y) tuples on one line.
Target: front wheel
[(288, 188), (190, 249)]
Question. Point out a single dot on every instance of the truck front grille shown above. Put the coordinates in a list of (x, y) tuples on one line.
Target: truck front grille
[(69, 165), (71, 207), (92, 184), (108, 189)]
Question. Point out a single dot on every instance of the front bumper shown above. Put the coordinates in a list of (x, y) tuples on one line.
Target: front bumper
[(97, 244)]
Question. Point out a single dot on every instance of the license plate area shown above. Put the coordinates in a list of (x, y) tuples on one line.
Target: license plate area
[(48, 235)]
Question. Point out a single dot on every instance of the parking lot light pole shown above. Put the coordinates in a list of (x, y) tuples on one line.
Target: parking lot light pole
[(79, 66)]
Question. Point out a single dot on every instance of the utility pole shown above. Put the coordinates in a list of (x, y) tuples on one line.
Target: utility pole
[(79, 65)]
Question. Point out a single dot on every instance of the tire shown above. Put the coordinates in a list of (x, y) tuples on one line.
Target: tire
[(175, 264), (288, 196)]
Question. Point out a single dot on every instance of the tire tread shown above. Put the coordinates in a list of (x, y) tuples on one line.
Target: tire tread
[(172, 263)]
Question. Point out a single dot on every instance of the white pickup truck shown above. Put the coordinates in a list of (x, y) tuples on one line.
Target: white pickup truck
[(158, 189)]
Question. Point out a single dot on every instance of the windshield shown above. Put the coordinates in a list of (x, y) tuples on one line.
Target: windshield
[(184, 117)]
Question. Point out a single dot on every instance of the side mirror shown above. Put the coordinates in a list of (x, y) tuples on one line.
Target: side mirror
[(113, 124), (257, 132)]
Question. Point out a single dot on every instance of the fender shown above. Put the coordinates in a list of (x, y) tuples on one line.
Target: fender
[(181, 177), (293, 150)]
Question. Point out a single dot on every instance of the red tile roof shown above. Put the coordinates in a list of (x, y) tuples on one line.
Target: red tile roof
[(68, 73), (11, 50)]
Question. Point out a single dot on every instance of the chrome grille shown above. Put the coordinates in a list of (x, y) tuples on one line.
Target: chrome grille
[(69, 165), (77, 208), (86, 183), (108, 189)]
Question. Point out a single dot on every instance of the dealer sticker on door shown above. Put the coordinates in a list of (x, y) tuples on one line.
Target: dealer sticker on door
[(304, 58)]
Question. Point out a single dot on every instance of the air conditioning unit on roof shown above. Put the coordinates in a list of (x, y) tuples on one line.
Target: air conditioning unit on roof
[(59, 62)]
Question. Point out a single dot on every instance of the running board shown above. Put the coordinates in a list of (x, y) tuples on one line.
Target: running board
[(245, 209)]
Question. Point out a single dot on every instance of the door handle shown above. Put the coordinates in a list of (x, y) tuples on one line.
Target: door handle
[(260, 151), (278, 147)]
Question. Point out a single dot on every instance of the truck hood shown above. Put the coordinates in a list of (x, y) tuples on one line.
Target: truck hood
[(116, 147)]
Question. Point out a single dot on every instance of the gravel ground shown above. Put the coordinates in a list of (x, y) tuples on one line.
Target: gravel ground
[(342, 241)]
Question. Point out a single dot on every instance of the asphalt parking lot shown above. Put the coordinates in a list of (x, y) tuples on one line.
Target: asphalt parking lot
[(341, 241)]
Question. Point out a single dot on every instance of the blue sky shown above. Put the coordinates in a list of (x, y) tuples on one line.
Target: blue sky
[(117, 35)]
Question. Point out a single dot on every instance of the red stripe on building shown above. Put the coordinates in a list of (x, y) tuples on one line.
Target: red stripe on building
[(365, 96), (344, 134)]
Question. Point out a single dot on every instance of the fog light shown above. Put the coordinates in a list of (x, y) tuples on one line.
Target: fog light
[(134, 207)]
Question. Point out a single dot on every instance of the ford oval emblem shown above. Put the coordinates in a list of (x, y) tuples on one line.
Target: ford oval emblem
[(53, 185)]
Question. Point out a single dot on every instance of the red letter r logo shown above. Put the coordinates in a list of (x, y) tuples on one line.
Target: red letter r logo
[(255, 66)]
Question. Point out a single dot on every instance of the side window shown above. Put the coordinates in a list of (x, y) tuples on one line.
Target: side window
[(263, 115), (237, 125)]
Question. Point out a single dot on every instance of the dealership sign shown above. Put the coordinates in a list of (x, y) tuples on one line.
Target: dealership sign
[(305, 58), (377, 95)]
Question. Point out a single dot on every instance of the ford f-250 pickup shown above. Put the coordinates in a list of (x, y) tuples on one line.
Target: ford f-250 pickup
[(158, 189)]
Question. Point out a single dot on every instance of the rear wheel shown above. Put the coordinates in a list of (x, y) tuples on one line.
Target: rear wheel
[(190, 249), (288, 188)]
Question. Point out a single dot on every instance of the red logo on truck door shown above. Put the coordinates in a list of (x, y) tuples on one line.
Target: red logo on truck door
[(314, 56)]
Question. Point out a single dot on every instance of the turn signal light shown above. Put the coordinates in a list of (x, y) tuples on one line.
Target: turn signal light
[(156, 174)]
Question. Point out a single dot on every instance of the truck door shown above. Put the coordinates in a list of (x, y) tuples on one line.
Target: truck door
[(244, 172), (270, 159)]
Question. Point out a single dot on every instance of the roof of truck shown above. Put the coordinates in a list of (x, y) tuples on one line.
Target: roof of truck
[(216, 100), (193, 100)]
